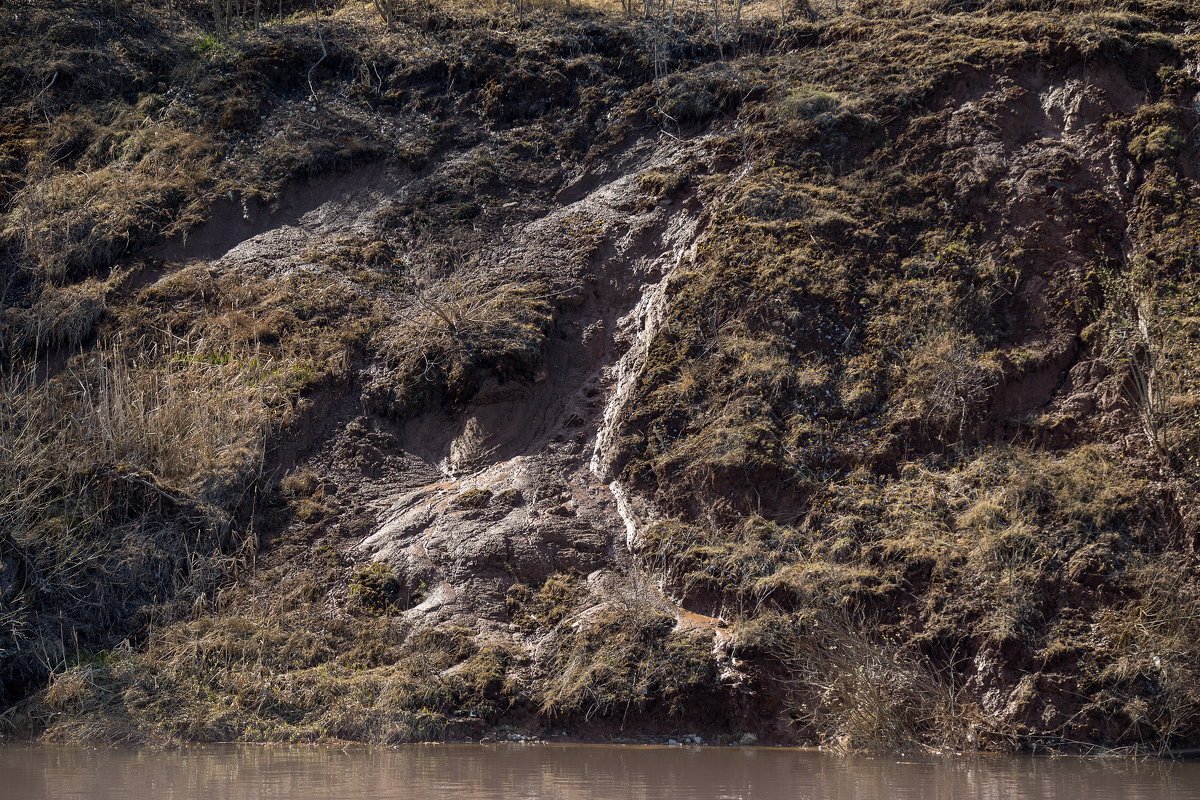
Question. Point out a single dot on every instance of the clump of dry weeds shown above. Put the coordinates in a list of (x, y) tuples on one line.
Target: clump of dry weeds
[(120, 483), (454, 334)]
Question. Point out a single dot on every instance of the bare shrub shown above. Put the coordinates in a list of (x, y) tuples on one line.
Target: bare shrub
[(859, 690), (1156, 639), (949, 377)]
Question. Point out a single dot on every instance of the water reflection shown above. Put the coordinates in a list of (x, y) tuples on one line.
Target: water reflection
[(568, 772)]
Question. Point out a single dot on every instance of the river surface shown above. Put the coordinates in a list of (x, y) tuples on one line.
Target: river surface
[(567, 772)]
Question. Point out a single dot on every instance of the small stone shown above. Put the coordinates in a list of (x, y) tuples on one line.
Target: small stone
[(672, 742), (748, 738)]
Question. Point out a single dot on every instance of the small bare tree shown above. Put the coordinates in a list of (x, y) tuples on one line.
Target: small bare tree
[(223, 12), (388, 10)]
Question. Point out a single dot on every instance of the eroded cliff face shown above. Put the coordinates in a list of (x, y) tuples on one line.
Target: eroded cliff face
[(836, 387), (521, 488)]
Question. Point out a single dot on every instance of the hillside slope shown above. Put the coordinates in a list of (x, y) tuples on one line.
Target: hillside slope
[(829, 380)]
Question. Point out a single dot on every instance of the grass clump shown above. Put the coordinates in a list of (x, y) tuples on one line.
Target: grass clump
[(71, 221), (805, 103), (473, 499), (660, 186), (620, 660), (62, 317), (1153, 678), (307, 495), (376, 588), (1157, 132), (544, 609), (290, 677), (852, 688), (1159, 141), (457, 334)]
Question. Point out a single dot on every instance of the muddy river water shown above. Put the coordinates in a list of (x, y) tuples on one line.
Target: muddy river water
[(566, 772)]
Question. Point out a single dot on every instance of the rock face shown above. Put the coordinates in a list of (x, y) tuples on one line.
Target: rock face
[(836, 385)]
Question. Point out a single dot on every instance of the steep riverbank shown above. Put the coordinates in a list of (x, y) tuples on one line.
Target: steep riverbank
[(830, 380)]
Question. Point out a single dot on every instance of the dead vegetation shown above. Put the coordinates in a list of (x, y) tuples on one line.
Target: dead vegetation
[(299, 677), (123, 482), (618, 662), (130, 186), (854, 687), (457, 332), (920, 415)]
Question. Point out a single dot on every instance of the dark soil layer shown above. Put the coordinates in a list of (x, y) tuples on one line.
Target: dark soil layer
[(829, 380)]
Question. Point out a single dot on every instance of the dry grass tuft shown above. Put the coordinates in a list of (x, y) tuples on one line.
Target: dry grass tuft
[(455, 333), (63, 316), (620, 660), (854, 688), (67, 222), (1156, 642), (118, 484), (296, 675)]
